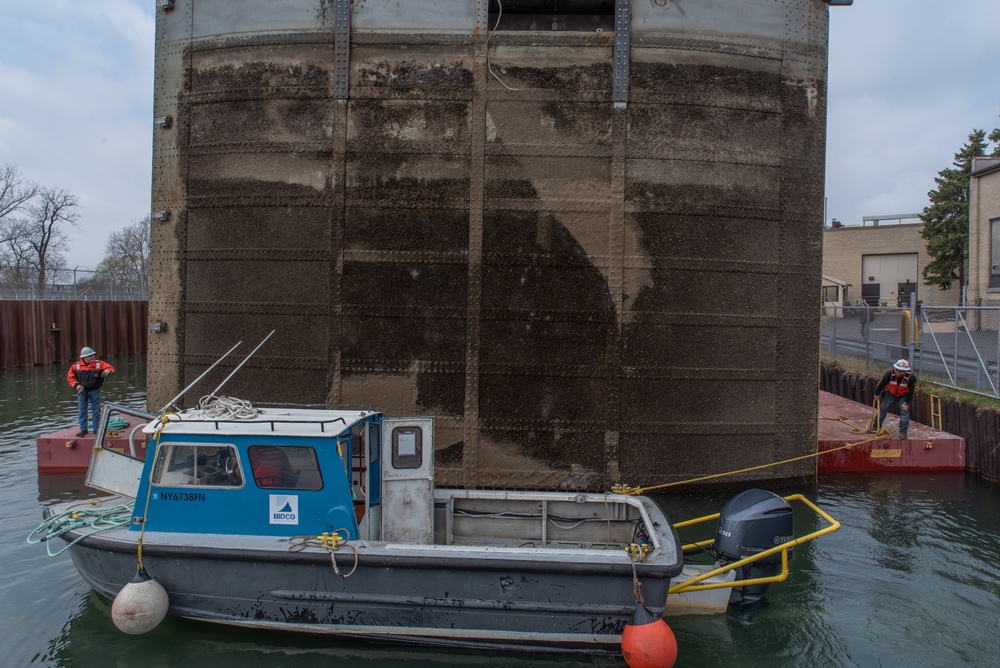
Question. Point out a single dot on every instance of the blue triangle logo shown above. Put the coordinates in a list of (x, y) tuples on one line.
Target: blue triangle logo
[(287, 508)]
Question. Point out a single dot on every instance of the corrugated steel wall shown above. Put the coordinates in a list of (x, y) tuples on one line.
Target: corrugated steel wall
[(441, 220), (50, 332)]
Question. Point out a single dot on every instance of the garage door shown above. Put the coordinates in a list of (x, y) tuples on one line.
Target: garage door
[(889, 271)]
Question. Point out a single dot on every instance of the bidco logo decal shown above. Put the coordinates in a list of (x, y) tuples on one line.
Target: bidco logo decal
[(284, 509)]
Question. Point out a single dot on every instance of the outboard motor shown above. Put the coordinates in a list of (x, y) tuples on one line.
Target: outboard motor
[(751, 522)]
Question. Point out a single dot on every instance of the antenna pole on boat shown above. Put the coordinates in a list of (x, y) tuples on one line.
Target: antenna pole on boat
[(215, 392), (184, 391)]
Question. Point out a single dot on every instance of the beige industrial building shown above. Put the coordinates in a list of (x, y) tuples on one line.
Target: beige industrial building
[(882, 262), (984, 232)]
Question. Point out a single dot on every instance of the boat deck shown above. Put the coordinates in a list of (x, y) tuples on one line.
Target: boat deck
[(926, 449), (480, 524)]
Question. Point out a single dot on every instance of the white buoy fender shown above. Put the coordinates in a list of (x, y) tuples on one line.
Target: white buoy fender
[(140, 606)]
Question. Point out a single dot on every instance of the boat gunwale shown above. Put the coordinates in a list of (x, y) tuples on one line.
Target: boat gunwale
[(379, 554)]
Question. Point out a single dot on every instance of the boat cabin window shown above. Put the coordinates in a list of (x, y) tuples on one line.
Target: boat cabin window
[(407, 448), (207, 464), (285, 467)]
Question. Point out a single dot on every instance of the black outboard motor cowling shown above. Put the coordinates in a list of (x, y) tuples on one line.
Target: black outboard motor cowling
[(751, 522)]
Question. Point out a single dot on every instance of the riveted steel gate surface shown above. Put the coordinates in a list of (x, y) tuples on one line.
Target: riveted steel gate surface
[(588, 243)]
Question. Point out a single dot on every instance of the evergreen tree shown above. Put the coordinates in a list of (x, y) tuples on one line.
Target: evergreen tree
[(946, 220)]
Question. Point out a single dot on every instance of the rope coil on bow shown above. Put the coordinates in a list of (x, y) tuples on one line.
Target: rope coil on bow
[(74, 518), (331, 542)]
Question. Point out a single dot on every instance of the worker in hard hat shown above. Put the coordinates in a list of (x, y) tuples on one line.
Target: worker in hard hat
[(896, 388), (86, 376)]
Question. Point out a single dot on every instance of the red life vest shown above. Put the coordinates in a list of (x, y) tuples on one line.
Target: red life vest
[(899, 387), (268, 474), (88, 375), (269, 465)]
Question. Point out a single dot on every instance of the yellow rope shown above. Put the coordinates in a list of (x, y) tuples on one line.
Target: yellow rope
[(874, 422), (882, 433), (637, 588), (163, 420), (859, 430)]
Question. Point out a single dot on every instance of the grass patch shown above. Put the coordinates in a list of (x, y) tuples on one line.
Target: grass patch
[(856, 370)]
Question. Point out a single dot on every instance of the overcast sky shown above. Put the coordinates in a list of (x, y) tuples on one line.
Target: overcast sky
[(909, 79)]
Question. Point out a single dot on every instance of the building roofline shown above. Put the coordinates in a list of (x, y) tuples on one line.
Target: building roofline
[(894, 216), (896, 226), (836, 280), (988, 169)]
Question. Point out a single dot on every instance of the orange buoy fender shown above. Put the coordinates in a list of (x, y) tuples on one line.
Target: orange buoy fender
[(648, 642)]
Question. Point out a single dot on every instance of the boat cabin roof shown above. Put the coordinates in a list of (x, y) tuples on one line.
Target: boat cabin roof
[(310, 422)]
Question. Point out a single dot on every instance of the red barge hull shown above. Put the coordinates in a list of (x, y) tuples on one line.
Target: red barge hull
[(65, 451), (926, 449)]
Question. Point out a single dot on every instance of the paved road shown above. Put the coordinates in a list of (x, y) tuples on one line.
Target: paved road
[(975, 365)]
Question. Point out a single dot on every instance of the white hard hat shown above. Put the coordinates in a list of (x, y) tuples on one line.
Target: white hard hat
[(87, 352), (901, 365)]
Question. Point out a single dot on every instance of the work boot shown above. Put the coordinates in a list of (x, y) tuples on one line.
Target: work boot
[(902, 436), (80, 434)]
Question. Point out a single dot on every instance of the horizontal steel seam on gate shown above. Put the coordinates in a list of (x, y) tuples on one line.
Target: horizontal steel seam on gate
[(598, 370), (257, 308), (203, 149), (735, 320), (209, 202), (405, 257), (282, 361), (455, 149), (633, 428), (401, 311), (361, 365), (277, 93), (257, 255), (322, 37)]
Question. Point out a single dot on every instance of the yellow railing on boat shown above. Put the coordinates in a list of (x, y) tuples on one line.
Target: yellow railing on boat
[(692, 584)]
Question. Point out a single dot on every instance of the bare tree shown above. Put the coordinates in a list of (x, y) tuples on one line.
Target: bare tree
[(126, 256), (15, 253), (48, 214), (15, 192), (15, 195)]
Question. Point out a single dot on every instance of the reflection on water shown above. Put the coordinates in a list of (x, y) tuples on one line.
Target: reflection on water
[(911, 579), (89, 639), (63, 486)]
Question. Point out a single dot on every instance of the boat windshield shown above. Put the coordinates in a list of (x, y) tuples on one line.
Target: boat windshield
[(207, 464)]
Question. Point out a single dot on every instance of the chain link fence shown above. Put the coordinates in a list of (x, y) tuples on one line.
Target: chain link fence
[(957, 347), (72, 284)]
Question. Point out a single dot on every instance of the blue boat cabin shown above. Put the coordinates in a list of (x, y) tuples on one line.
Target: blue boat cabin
[(287, 472)]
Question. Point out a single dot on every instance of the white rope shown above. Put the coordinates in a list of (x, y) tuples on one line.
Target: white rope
[(226, 408), (489, 33)]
